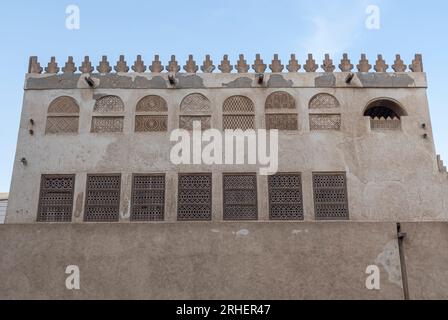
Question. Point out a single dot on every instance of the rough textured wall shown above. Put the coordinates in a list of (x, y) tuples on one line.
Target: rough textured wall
[(202, 261), (426, 250), (391, 175)]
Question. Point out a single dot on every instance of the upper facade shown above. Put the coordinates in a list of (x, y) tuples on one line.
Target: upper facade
[(94, 145)]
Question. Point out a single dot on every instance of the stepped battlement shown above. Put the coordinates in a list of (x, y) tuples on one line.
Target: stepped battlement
[(225, 66), (243, 74)]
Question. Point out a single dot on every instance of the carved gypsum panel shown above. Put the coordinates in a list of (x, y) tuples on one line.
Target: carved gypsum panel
[(282, 122), (194, 197), (280, 100), (325, 121), (109, 104), (195, 103), (244, 122), (186, 122), (285, 197), (385, 124), (64, 105), (151, 123), (56, 198), (240, 197), (323, 101), (148, 198), (107, 124), (330, 196), (62, 125), (238, 104), (152, 104), (103, 198)]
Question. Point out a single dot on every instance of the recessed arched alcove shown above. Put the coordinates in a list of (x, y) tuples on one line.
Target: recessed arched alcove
[(385, 114)]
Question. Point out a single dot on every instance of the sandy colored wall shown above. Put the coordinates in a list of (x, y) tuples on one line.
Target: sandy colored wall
[(199, 261), (222, 260), (391, 176)]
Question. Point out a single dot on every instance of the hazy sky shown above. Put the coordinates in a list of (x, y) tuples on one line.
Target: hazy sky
[(213, 27)]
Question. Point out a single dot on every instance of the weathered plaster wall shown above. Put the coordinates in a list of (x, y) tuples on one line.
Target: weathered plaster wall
[(426, 251), (202, 261), (391, 176)]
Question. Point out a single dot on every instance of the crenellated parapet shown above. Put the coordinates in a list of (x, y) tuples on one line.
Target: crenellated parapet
[(440, 165), (242, 65)]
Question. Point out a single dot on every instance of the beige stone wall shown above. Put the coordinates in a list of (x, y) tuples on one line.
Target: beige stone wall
[(391, 176), (324, 260)]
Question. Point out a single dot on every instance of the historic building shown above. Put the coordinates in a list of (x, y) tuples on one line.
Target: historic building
[(94, 185), (95, 147)]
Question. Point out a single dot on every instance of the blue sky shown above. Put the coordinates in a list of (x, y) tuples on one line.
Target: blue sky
[(214, 27)]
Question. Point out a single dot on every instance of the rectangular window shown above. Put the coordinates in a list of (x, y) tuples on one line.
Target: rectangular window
[(322, 122), (330, 196), (240, 197), (151, 123), (234, 122), (195, 197), (285, 197), (286, 122), (148, 198), (107, 124), (103, 198), (61, 124), (56, 198)]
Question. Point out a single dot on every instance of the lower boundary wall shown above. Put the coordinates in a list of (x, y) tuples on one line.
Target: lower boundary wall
[(322, 260)]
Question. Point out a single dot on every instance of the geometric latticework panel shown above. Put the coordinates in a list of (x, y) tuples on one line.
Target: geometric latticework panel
[(280, 100), (325, 121), (148, 198), (324, 101), (103, 198), (385, 124), (187, 122), (107, 124), (282, 122), (62, 125), (330, 196), (234, 122), (63, 105), (285, 197), (63, 116), (56, 198), (240, 197), (108, 104), (238, 113), (152, 104), (238, 104), (151, 123), (194, 197), (195, 102)]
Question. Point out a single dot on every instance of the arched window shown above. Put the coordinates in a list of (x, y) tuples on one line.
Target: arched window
[(385, 114), (324, 118), (324, 101), (238, 113), (62, 116), (195, 108), (108, 115), (281, 112), (151, 115)]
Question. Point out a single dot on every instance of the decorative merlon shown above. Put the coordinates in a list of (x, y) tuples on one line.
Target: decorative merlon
[(441, 166), (226, 66)]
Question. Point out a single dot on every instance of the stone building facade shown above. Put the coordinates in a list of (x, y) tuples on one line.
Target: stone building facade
[(358, 184), (95, 147)]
